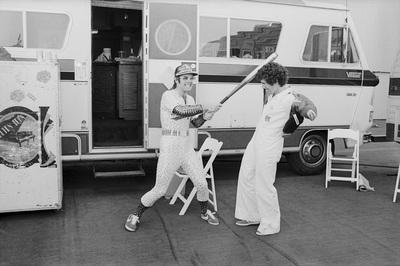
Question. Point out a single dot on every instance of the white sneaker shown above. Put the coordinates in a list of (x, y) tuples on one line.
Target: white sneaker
[(246, 223), (210, 218), (131, 223)]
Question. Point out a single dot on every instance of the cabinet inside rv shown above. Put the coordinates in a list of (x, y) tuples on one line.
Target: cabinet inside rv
[(116, 77)]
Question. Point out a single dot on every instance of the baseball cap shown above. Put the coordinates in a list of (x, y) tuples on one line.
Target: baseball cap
[(185, 69)]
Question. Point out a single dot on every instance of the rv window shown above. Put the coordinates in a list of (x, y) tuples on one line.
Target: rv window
[(43, 30), (253, 39), (317, 45), (337, 47), (212, 42), (46, 30), (352, 55), (247, 38), (11, 29)]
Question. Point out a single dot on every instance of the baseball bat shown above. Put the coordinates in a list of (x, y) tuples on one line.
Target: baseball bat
[(249, 77)]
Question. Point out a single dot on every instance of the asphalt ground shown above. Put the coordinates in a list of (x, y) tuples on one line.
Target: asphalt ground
[(337, 225)]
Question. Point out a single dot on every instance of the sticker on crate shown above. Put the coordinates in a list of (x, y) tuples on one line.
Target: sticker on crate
[(22, 135)]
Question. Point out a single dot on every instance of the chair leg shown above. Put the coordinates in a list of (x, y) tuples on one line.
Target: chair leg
[(178, 191), (328, 172), (396, 189), (357, 180), (354, 174), (353, 171), (214, 195), (188, 201), (326, 180)]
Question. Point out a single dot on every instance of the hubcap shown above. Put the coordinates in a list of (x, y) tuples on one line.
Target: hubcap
[(312, 151)]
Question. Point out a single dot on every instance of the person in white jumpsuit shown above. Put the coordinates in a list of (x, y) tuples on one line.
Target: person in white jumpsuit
[(257, 198), (177, 111)]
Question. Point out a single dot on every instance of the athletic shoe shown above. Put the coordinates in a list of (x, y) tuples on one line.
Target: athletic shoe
[(132, 223), (210, 218), (246, 223)]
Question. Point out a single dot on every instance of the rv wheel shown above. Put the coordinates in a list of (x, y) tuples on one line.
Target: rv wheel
[(311, 159)]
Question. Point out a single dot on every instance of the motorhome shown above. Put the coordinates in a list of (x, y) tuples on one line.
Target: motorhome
[(117, 57)]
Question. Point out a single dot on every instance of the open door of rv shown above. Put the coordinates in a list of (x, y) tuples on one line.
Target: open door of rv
[(117, 106), (171, 35)]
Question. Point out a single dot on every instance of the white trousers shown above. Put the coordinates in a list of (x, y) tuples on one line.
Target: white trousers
[(176, 151), (257, 198)]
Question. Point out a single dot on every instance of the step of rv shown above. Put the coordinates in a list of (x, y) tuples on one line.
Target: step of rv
[(378, 138), (118, 169)]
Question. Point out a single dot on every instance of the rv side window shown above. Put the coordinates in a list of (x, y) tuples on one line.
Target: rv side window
[(46, 30), (11, 29), (330, 44), (317, 44), (43, 30), (213, 42), (352, 55), (337, 47), (253, 39), (247, 38)]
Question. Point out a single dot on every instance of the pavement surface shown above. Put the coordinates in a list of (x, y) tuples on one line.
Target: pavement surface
[(337, 225)]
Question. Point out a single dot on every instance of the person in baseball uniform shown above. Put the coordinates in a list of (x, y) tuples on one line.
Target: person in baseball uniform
[(177, 111)]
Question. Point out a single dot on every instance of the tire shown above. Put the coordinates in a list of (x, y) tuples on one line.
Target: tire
[(311, 159)]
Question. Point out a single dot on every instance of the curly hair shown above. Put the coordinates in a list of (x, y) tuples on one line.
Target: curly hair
[(273, 73)]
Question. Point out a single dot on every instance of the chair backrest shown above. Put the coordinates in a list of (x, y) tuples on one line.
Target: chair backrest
[(348, 134), (344, 133), (213, 146)]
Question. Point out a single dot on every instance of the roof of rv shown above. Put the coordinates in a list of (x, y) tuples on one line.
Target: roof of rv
[(340, 4), (311, 3)]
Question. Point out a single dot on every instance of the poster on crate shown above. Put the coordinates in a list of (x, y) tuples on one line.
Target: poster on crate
[(22, 135)]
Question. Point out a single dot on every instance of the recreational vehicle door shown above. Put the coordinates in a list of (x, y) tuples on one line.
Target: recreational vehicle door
[(171, 35)]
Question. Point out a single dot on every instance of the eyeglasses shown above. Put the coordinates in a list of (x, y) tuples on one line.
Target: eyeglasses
[(185, 78)]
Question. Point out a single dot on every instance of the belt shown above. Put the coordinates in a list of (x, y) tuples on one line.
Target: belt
[(168, 132)]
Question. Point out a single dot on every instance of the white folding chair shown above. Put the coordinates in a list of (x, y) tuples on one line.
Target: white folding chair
[(339, 163), (213, 146), (397, 189)]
